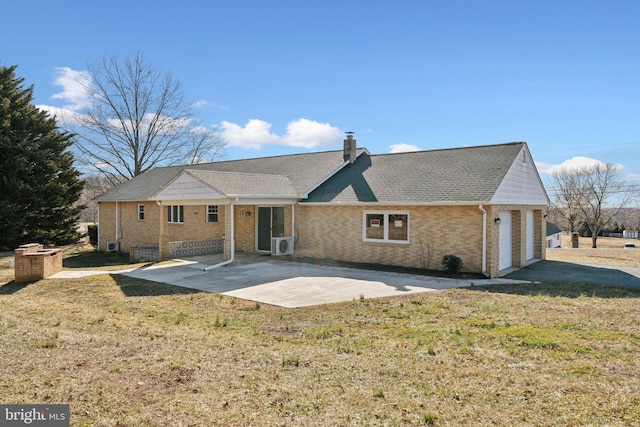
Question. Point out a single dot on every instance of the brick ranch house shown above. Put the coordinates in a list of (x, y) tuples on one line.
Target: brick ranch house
[(485, 204)]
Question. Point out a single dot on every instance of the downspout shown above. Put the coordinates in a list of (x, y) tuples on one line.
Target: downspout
[(484, 240), (293, 224), (117, 216), (98, 226), (159, 203), (233, 242)]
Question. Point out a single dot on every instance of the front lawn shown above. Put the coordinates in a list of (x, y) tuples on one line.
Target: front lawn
[(125, 352)]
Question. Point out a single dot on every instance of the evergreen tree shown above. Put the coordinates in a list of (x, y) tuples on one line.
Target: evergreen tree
[(39, 185)]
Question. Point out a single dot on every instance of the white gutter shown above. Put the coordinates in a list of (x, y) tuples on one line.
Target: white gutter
[(117, 215), (398, 203), (98, 226), (484, 240), (293, 224), (233, 241)]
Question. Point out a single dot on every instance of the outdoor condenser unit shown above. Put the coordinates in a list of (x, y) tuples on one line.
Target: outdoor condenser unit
[(282, 245)]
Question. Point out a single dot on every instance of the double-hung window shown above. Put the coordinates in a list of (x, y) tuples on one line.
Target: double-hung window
[(212, 213), (140, 212), (385, 226), (175, 214)]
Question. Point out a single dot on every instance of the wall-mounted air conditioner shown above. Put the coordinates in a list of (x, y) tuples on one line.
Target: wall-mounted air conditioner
[(282, 245), (111, 246)]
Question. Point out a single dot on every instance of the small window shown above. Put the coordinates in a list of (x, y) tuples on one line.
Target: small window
[(140, 212), (175, 214), (212, 213), (390, 227)]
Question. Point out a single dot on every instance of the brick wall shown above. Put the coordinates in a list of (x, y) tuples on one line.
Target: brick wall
[(434, 231), (336, 232), (134, 232), (245, 228), (518, 232), (33, 262), (148, 232)]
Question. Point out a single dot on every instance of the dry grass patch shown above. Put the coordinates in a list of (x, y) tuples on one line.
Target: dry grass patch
[(609, 252), (124, 352)]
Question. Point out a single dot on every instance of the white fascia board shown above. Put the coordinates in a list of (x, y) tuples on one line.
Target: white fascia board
[(390, 203), (265, 201), (193, 202)]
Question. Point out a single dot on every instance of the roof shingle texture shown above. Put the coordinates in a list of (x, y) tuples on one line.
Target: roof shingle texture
[(242, 184), (303, 170), (449, 175)]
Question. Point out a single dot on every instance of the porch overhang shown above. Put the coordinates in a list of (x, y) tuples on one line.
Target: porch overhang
[(209, 187)]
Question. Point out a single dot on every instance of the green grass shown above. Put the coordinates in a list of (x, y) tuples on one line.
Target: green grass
[(122, 351)]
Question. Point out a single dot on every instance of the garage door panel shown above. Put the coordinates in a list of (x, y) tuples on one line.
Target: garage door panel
[(530, 246), (505, 241)]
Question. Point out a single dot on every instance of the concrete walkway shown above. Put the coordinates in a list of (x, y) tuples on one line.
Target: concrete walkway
[(291, 284)]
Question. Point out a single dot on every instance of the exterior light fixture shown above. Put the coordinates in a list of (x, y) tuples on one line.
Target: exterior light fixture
[(497, 220)]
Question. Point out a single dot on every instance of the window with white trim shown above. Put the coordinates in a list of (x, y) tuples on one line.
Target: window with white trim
[(175, 214), (212, 213), (140, 212), (385, 226)]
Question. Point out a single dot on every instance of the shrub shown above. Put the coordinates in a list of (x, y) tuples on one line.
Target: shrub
[(452, 265), (92, 231)]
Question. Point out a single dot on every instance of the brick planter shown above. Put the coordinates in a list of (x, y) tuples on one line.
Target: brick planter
[(33, 262)]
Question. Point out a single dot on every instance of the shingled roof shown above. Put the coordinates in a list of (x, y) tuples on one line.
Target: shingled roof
[(450, 175), (456, 175), (304, 171), (241, 184)]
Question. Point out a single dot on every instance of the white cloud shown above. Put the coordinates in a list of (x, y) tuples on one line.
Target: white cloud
[(403, 148), (73, 83), (572, 163), (300, 133), (62, 115), (309, 134), (633, 177), (252, 136), (201, 103), (74, 94)]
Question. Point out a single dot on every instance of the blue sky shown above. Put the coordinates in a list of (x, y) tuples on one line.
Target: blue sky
[(283, 77)]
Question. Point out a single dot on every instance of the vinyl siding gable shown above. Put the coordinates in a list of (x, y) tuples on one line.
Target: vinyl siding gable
[(187, 187), (521, 184)]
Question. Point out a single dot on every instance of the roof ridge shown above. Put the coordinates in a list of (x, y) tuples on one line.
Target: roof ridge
[(234, 173), (253, 158), (452, 148)]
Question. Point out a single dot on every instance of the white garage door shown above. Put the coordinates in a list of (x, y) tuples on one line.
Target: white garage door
[(530, 239), (504, 240)]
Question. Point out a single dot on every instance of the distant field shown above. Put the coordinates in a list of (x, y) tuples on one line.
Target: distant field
[(609, 252)]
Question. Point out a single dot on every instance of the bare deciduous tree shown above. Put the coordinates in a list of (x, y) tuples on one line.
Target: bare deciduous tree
[(139, 119), (593, 194), (568, 197), (93, 185), (599, 184)]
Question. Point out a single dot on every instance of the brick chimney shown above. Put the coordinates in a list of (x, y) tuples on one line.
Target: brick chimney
[(349, 148)]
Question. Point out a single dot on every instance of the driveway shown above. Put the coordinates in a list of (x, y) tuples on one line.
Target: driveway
[(558, 271), (293, 284)]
